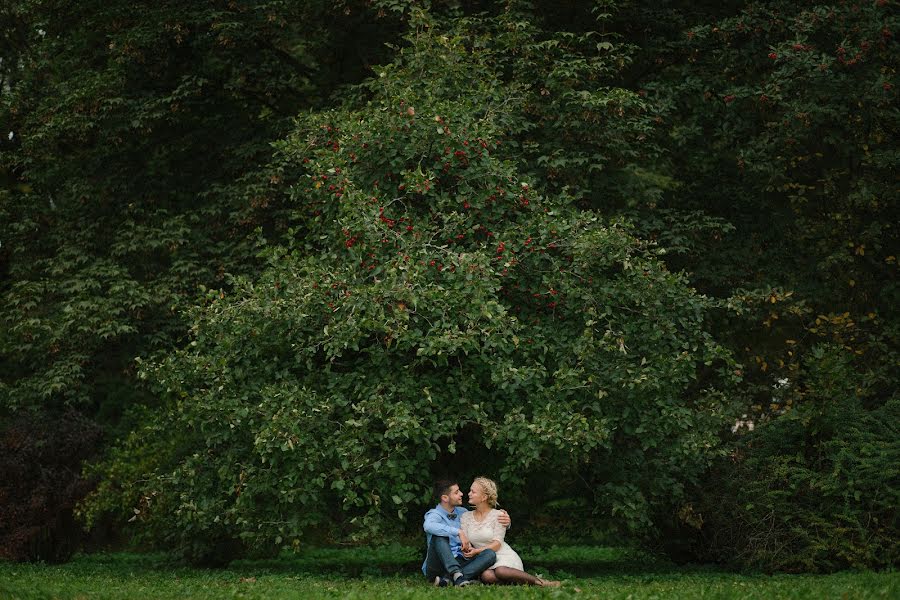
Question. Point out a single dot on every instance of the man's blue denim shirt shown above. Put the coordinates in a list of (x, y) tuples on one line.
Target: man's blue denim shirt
[(438, 522)]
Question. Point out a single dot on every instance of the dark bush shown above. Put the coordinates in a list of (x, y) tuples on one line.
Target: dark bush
[(41, 482), (815, 489)]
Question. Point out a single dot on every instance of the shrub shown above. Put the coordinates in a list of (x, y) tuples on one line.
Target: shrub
[(41, 482), (815, 489)]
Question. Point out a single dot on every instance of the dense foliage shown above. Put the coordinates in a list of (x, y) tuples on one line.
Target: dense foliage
[(814, 490), (132, 136), (132, 133), (510, 216), (426, 294), (784, 115)]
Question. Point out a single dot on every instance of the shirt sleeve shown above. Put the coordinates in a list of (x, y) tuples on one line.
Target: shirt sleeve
[(499, 531), (436, 526)]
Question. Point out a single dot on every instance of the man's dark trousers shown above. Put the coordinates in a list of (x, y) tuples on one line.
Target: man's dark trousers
[(440, 561)]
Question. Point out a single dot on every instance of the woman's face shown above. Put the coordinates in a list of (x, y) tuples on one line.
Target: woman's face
[(476, 494)]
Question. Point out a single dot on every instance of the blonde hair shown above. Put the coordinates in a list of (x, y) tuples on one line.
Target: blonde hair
[(489, 488)]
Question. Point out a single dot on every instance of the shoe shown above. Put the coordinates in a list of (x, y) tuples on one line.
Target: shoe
[(440, 581), (463, 582)]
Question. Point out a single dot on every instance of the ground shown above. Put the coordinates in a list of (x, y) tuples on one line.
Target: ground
[(586, 573)]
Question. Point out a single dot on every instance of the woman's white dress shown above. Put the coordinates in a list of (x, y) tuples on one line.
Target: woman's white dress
[(483, 533)]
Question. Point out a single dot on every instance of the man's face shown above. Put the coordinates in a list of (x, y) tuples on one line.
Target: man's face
[(455, 496)]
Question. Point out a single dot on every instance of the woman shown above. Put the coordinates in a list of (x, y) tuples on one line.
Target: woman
[(479, 530)]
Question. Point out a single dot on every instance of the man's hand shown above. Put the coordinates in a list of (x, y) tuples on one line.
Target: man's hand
[(503, 518)]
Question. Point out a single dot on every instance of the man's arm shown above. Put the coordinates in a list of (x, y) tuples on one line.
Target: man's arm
[(436, 526)]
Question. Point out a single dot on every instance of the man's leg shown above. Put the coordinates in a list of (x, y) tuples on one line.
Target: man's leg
[(471, 569), (440, 560)]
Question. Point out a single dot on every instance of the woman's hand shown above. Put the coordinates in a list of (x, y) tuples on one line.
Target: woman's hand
[(472, 551)]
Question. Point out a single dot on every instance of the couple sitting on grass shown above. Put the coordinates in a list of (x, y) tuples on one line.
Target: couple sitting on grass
[(465, 546)]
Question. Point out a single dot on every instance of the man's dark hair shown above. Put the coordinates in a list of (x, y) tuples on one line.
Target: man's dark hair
[(442, 486)]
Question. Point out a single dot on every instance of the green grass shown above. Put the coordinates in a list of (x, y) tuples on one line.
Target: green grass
[(389, 572)]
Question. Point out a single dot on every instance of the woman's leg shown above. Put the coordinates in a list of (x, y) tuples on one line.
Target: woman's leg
[(488, 577), (510, 575), (517, 577)]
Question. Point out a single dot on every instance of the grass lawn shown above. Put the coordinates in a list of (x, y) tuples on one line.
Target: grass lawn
[(586, 572)]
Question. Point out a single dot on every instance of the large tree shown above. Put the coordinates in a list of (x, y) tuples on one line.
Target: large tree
[(432, 311)]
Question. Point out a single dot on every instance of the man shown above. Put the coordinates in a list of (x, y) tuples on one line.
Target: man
[(444, 562)]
